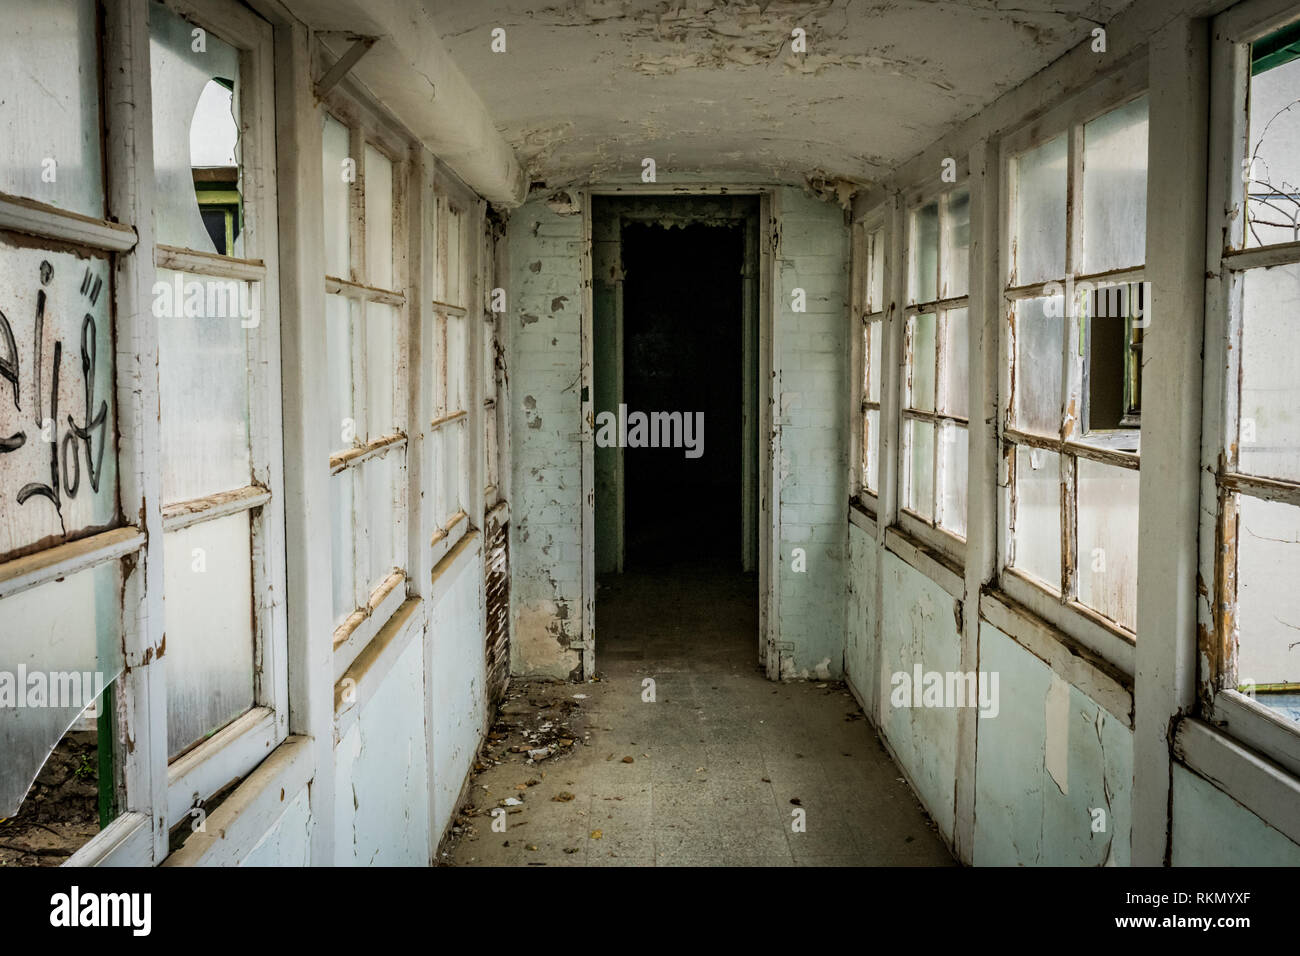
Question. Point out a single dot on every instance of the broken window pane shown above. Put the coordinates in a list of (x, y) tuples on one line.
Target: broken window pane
[(203, 384), (58, 422), (920, 361), (1115, 189), (339, 171), (66, 651), (379, 219), (208, 587), (1037, 515), (953, 449), (1108, 540), (918, 460), (956, 245), (870, 435), (1036, 375), (923, 251), (956, 362), (1272, 159), (1269, 431), (1038, 217), (1268, 603), (49, 72), (196, 105), (341, 545)]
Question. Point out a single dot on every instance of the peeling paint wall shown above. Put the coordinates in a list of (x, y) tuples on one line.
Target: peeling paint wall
[(1045, 765), (288, 842), (381, 774), (458, 708), (918, 627), (1212, 829), (812, 388), (861, 657), (543, 347)]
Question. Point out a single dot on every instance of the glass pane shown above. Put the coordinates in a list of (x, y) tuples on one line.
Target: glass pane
[(956, 362), (873, 360), (449, 450), (876, 271), (1040, 342), (456, 398), (196, 102), (341, 545), (1108, 540), (953, 448), (455, 264), (956, 245), (918, 464), (870, 437), (338, 356), (1273, 155), (208, 587), (1037, 540), (920, 361), (338, 172), (58, 421), (1038, 242), (49, 109), (1269, 434), (381, 511), (923, 253), (62, 646), (1115, 189), (381, 369), (379, 219), (1268, 603), (203, 385)]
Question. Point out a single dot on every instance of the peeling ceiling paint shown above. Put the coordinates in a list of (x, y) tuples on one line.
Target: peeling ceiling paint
[(588, 88)]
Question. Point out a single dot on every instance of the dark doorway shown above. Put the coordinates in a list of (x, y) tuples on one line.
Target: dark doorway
[(682, 336)]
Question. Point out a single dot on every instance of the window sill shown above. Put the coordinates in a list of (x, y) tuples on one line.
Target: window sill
[(366, 674), (361, 626), (1093, 675), (228, 755), (938, 567), (1258, 727), (862, 516)]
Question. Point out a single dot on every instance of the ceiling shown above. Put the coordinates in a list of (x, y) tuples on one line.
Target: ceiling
[(588, 88)]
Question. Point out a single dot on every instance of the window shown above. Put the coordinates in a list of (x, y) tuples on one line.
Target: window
[(366, 340), (61, 640), (935, 385), (1250, 648), (1076, 305), (873, 300), (219, 394), (452, 501)]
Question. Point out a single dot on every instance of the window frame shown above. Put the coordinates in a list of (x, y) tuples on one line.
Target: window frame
[(1108, 639), (199, 772), (928, 530), (1228, 261), (376, 599), (868, 313)]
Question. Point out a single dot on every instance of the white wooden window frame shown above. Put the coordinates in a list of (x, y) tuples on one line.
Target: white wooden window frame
[(928, 530), (237, 748), (871, 241), (1227, 263), (1109, 640), (377, 596)]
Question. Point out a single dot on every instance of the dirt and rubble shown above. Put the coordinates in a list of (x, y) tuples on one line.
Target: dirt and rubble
[(61, 811)]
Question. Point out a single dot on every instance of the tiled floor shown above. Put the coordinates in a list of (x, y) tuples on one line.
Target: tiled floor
[(720, 759)]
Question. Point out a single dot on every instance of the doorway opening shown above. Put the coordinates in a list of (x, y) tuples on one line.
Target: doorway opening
[(675, 388)]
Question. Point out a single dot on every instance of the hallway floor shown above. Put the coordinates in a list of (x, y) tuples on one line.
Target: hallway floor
[(709, 773)]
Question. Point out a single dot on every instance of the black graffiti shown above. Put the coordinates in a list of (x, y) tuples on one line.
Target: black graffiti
[(65, 473)]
